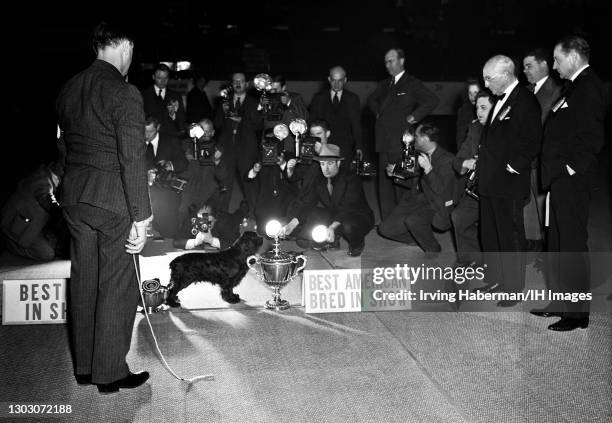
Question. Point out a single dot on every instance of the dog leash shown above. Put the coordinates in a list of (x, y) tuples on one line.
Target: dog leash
[(161, 355)]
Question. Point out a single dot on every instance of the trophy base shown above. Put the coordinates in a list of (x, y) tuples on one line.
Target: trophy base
[(277, 305)]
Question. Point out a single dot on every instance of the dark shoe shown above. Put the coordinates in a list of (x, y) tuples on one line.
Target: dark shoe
[(487, 288), (356, 251), (507, 303), (567, 324), (132, 380), (83, 379), (544, 313)]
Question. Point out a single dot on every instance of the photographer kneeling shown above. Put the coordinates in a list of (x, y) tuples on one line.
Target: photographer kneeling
[(165, 159), (345, 210), (206, 169), (429, 201)]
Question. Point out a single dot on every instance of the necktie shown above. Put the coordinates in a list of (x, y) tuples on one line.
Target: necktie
[(499, 97), (330, 187), (336, 100), (531, 87), (150, 155), (237, 103), (392, 82), (159, 94)]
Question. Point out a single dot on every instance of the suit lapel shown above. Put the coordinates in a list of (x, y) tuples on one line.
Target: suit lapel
[(391, 91), (503, 112), (339, 185)]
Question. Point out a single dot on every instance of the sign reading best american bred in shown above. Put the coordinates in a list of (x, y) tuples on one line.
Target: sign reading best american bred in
[(352, 290)]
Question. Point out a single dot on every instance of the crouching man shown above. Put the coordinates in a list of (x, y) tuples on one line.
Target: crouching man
[(335, 199)]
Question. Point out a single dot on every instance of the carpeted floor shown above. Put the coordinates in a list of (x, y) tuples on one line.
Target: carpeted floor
[(434, 365)]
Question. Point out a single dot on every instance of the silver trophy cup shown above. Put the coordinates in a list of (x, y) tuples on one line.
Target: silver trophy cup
[(276, 269)]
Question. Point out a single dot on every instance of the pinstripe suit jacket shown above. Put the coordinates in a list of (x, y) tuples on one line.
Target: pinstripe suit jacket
[(103, 122)]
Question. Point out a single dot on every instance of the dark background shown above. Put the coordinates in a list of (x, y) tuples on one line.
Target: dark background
[(445, 40)]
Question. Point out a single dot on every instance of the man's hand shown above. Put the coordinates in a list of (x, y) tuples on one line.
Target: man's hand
[(257, 167), (289, 227), (151, 173), (424, 163), (138, 236), (389, 169), (331, 234), (291, 166), (469, 164), (411, 120)]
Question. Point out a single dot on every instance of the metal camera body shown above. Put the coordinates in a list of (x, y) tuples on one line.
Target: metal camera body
[(200, 223), (205, 153), (363, 167), (273, 108), (270, 151), (408, 166), (227, 94), (471, 185), (307, 148), (167, 179)]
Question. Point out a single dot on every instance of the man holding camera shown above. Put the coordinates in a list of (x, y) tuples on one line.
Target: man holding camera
[(165, 158), (344, 211), (238, 122), (427, 203), (399, 102), (269, 177), (206, 170)]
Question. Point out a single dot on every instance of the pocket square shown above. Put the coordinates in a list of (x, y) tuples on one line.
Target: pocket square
[(564, 105), (506, 118), (401, 94)]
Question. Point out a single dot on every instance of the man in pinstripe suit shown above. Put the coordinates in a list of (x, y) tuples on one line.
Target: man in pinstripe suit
[(106, 204)]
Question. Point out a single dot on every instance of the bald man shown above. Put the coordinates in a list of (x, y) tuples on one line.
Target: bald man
[(509, 143), (341, 108)]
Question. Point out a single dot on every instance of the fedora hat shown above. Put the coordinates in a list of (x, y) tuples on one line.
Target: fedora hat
[(328, 152)]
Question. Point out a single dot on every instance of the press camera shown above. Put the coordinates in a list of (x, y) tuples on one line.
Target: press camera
[(201, 223), (227, 94), (408, 166), (168, 179), (203, 149)]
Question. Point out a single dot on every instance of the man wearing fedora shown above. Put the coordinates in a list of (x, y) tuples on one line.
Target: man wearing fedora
[(335, 199)]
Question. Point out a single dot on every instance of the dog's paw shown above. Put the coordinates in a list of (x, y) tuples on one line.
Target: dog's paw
[(231, 297)]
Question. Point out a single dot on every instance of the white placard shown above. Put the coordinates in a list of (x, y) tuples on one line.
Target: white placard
[(332, 291), (34, 301)]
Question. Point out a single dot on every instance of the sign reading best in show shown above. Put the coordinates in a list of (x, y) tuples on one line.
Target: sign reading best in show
[(36, 301)]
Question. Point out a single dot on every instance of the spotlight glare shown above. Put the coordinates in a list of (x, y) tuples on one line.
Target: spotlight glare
[(319, 233), (273, 228)]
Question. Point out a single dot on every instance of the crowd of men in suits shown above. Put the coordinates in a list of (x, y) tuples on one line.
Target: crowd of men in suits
[(114, 137), (512, 146)]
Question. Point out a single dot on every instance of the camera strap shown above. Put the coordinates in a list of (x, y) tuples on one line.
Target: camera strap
[(161, 355)]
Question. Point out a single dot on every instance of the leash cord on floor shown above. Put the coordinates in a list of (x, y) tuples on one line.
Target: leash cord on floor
[(161, 355)]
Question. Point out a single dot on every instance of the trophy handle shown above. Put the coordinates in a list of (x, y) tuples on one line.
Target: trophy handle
[(248, 261), (303, 265)]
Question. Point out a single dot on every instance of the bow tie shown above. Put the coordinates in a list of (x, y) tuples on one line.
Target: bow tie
[(499, 97)]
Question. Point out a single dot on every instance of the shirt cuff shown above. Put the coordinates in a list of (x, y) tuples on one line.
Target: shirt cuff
[(571, 171)]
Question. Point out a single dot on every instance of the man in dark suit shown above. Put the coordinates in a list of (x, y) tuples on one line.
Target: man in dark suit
[(164, 153), (342, 109), (573, 136), (546, 90), (510, 142), (163, 103), (467, 110), (238, 122), (106, 202), (430, 201), (345, 210), (398, 103), (466, 215)]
